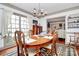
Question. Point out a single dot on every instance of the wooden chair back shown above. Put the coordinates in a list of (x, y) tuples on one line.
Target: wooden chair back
[(20, 42), (53, 46), (77, 38)]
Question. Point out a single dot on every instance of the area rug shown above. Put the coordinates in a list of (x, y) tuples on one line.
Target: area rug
[(12, 53), (62, 50)]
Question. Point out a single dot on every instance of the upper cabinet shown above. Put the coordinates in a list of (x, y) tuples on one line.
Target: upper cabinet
[(36, 29), (72, 23)]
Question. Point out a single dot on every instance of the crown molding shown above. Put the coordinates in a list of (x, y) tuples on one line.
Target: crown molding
[(12, 6), (17, 8), (68, 9)]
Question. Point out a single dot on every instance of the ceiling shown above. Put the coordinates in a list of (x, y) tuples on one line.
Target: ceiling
[(51, 8)]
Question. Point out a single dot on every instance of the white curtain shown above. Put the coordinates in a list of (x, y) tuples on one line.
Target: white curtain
[(1, 41), (5, 21)]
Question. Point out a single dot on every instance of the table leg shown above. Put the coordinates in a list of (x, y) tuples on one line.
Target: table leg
[(37, 51)]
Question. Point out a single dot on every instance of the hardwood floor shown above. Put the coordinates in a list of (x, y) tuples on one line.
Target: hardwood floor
[(5, 51), (10, 49)]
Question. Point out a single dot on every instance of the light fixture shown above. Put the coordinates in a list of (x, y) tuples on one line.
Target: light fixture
[(39, 12)]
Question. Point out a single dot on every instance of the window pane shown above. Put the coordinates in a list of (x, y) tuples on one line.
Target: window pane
[(9, 30), (12, 20), (13, 30), (26, 20), (23, 22), (13, 26), (23, 18), (17, 21), (23, 30), (9, 26), (17, 25), (27, 23), (27, 30), (17, 17), (27, 26), (23, 26), (13, 16), (12, 34), (17, 29)]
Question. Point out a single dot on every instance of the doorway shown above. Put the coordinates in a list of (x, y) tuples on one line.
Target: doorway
[(57, 24)]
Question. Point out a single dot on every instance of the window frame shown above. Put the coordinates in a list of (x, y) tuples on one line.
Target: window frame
[(18, 23)]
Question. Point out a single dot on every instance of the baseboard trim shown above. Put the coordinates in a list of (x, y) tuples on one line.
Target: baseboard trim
[(8, 47)]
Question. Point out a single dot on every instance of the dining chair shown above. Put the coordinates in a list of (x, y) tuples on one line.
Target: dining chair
[(53, 45), (49, 52), (77, 39), (74, 40), (73, 44), (20, 42)]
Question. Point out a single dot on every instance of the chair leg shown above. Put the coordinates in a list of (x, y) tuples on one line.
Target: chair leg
[(53, 50), (18, 51), (37, 50)]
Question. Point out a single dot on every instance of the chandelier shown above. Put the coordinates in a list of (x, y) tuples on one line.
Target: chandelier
[(39, 12)]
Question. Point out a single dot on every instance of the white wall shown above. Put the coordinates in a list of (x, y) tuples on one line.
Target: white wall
[(43, 23), (31, 22), (62, 14), (76, 11)]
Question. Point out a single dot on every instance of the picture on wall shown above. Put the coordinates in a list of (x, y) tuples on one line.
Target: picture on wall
[(35, 22)]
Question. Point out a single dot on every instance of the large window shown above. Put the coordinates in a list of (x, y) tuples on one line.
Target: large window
[(14, 24), (24, 25), (17, 22)]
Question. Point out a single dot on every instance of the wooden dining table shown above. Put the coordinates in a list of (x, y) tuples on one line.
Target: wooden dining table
[(39, 42)]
